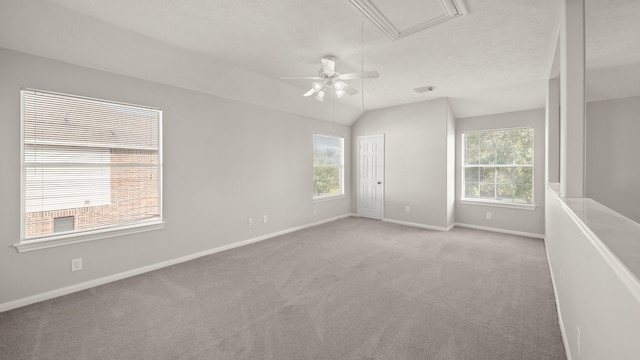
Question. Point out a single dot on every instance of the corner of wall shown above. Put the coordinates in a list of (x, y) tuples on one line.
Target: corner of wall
[(451, 165)]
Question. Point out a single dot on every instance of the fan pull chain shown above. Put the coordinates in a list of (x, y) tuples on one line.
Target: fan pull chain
[(333, 114)]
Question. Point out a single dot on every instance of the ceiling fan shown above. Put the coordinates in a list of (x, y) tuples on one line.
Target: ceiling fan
[(328, 79)]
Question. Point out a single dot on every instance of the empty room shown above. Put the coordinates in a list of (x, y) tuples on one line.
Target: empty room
[(348, 179)]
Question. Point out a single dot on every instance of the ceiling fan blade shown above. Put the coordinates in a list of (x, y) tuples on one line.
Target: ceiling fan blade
[(328, 66), (310, 92), (300, 78), (351, 91), (360, 75)]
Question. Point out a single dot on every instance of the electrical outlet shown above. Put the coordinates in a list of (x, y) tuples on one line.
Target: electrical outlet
[(315, 212), (407, 208), (265, 218), (249, 221), (76, 264), (489, 216)]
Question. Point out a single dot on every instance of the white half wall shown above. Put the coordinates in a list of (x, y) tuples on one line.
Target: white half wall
[(597, 297), (224, 162)]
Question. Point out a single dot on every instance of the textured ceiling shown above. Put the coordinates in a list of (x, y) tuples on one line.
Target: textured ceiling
[(496, 58)]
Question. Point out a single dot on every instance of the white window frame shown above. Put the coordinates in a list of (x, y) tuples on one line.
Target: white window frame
[(55, 240), (341, 169), (489, 202)]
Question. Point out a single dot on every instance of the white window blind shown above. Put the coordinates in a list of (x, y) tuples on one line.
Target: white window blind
[(328, 166), (95, 161)]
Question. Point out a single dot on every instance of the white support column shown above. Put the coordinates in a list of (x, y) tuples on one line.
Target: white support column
[(572, 118), (552, 132)]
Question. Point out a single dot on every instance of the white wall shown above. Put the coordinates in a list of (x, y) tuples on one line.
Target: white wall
[(613, 163), (224, 161), (416, 160), (514, 220)]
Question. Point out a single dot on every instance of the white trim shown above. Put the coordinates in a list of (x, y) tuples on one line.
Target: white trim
[(563, 332), (328, 197), (383, 187), (101, 101), (452, 9), (503, 231), (76, 237), (423, 226), (144, 269), (498, 204), (23, 174)]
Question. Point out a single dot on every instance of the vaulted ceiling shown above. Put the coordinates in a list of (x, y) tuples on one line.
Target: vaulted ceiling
[(494, 57)]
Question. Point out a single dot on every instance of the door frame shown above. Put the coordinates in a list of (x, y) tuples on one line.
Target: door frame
[(382, 192)]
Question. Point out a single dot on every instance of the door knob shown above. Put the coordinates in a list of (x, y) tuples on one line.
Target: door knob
[(379, 182)]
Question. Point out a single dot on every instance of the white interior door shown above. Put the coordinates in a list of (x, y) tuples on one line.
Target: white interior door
[(371, 176)]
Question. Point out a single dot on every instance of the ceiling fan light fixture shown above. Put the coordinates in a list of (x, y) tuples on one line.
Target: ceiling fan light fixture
[(331, 82)]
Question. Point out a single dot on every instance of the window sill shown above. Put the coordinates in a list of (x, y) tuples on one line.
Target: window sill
[(328, 197), (498, 204), (69, 239)]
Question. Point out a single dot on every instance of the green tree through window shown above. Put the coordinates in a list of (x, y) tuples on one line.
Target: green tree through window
[(498, 165), (327, 166)]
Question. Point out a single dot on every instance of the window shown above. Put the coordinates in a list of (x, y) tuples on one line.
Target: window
[(89, 166), (328, 166), (498, 166)]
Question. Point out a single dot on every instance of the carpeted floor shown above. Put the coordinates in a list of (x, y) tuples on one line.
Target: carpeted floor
[(349, 289)]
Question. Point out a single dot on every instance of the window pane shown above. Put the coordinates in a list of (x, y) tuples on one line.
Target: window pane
[(326, 179), (487, 191), (486, 140), (471, 156), (327, 166), (471, 190), (504, 166), (472, 174), (472, 140), (92, 161), (523, 146), (504, 155), (487, 156), (487, 175), (522, 193), (523, 175), (505, 192), (504, 175)]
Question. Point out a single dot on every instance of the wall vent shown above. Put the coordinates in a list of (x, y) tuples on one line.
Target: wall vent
[(424, 89)]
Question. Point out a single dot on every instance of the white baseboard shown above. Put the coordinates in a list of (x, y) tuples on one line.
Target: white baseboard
[(428, 227), (503, 231), (141, 270)]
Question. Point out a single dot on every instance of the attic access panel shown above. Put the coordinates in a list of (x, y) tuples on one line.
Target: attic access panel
[(400, 18)]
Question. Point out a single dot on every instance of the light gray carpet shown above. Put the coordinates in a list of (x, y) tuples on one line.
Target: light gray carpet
[(349, 289)]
